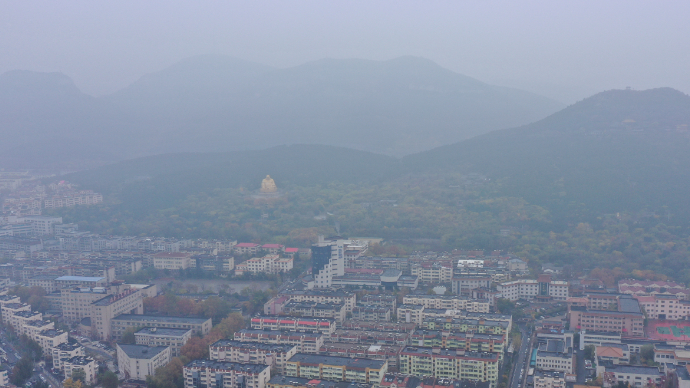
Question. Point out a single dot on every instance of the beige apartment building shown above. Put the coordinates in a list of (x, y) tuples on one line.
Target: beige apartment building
[(65, 351), (306, 342), (119, 324), (87, 364), (9, 309), (153, 336), (105, 309), (252, 352), (172, 260), (48, 339), (76, 302), (205, 373)]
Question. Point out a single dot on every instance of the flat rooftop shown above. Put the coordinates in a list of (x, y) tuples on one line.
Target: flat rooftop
[(161, 318), (227, 365), (141, 351), (80, 360), (315, 383), (350, 363), (252, 345), (163, 331)]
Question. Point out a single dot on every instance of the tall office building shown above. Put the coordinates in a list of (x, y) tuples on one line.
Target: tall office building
[(328, 260)]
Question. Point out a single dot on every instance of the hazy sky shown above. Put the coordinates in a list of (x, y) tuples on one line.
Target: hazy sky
[(565, 50)]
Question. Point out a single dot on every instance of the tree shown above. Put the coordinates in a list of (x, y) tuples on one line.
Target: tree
[(647, 353), (22, 371), (128, 335), (71, 383), (78, 374), (589, 352), (109, 379), (196, 348), (169, 376), (30, 347)]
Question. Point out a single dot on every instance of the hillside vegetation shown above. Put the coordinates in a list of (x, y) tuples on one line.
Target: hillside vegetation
[(599, 184)]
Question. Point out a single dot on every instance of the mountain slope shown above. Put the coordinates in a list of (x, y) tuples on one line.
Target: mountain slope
[(214, 103), (618, 150)]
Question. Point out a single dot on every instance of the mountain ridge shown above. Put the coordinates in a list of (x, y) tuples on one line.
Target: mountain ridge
[(214, 103)]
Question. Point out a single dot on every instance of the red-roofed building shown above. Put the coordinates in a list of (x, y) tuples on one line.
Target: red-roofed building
[(243, 248), (273, 248)]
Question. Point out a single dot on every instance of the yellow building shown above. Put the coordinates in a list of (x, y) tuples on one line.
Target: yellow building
[(449, 364), (358, 370)]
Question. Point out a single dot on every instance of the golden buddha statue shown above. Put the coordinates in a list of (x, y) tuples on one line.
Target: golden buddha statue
[(268, 185)]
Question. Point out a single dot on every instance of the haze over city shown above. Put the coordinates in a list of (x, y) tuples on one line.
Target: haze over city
[(563, 50), (344, 194)]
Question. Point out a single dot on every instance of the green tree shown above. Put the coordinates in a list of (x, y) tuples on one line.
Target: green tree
[(22, 371), (589, 352), (647, 353), (128, 335), (109, 379), (78, 374)]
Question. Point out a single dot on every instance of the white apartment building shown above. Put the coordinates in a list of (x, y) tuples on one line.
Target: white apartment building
[(530, 289), (268, 264), (172, 260), (664, 306), (64, 352), (87, 364), (138, 361)]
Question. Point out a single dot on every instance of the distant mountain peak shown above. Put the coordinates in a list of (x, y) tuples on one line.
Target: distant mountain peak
[(25, 82)]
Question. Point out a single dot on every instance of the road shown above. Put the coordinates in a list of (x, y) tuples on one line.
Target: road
[(582, 373), (51, 379), (522, 360)]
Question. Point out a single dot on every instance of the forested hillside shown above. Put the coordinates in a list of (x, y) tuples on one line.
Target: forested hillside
[(600, 184)]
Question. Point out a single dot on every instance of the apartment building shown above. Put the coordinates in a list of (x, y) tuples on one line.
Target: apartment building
[(432, 272), (467, 325), (76, 302), (399, 327), (664, 306), (46, 282), (672, 354), (82, 363), (48, 339), (80, 281), (380, 300), (369, 337), (269, 264), (305, 341), (450, 302), (371, 313), (549, 379), (476, 342), (649, 288), (172, 260), (103, 310), (349, 299), (246, 248), (543, 288), (119, 324), (208, 373), (388, 353), (7, 299), (334, 311), (449, 364), (463, 284), (173, 338), (21, 318), (252, 352), (323, 325), (554, 355), (280, 381), (65, 351), (623, 315), (634, 376), (32, 328), (138, 361), (360, 370), (9, 309), (598, 338)]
